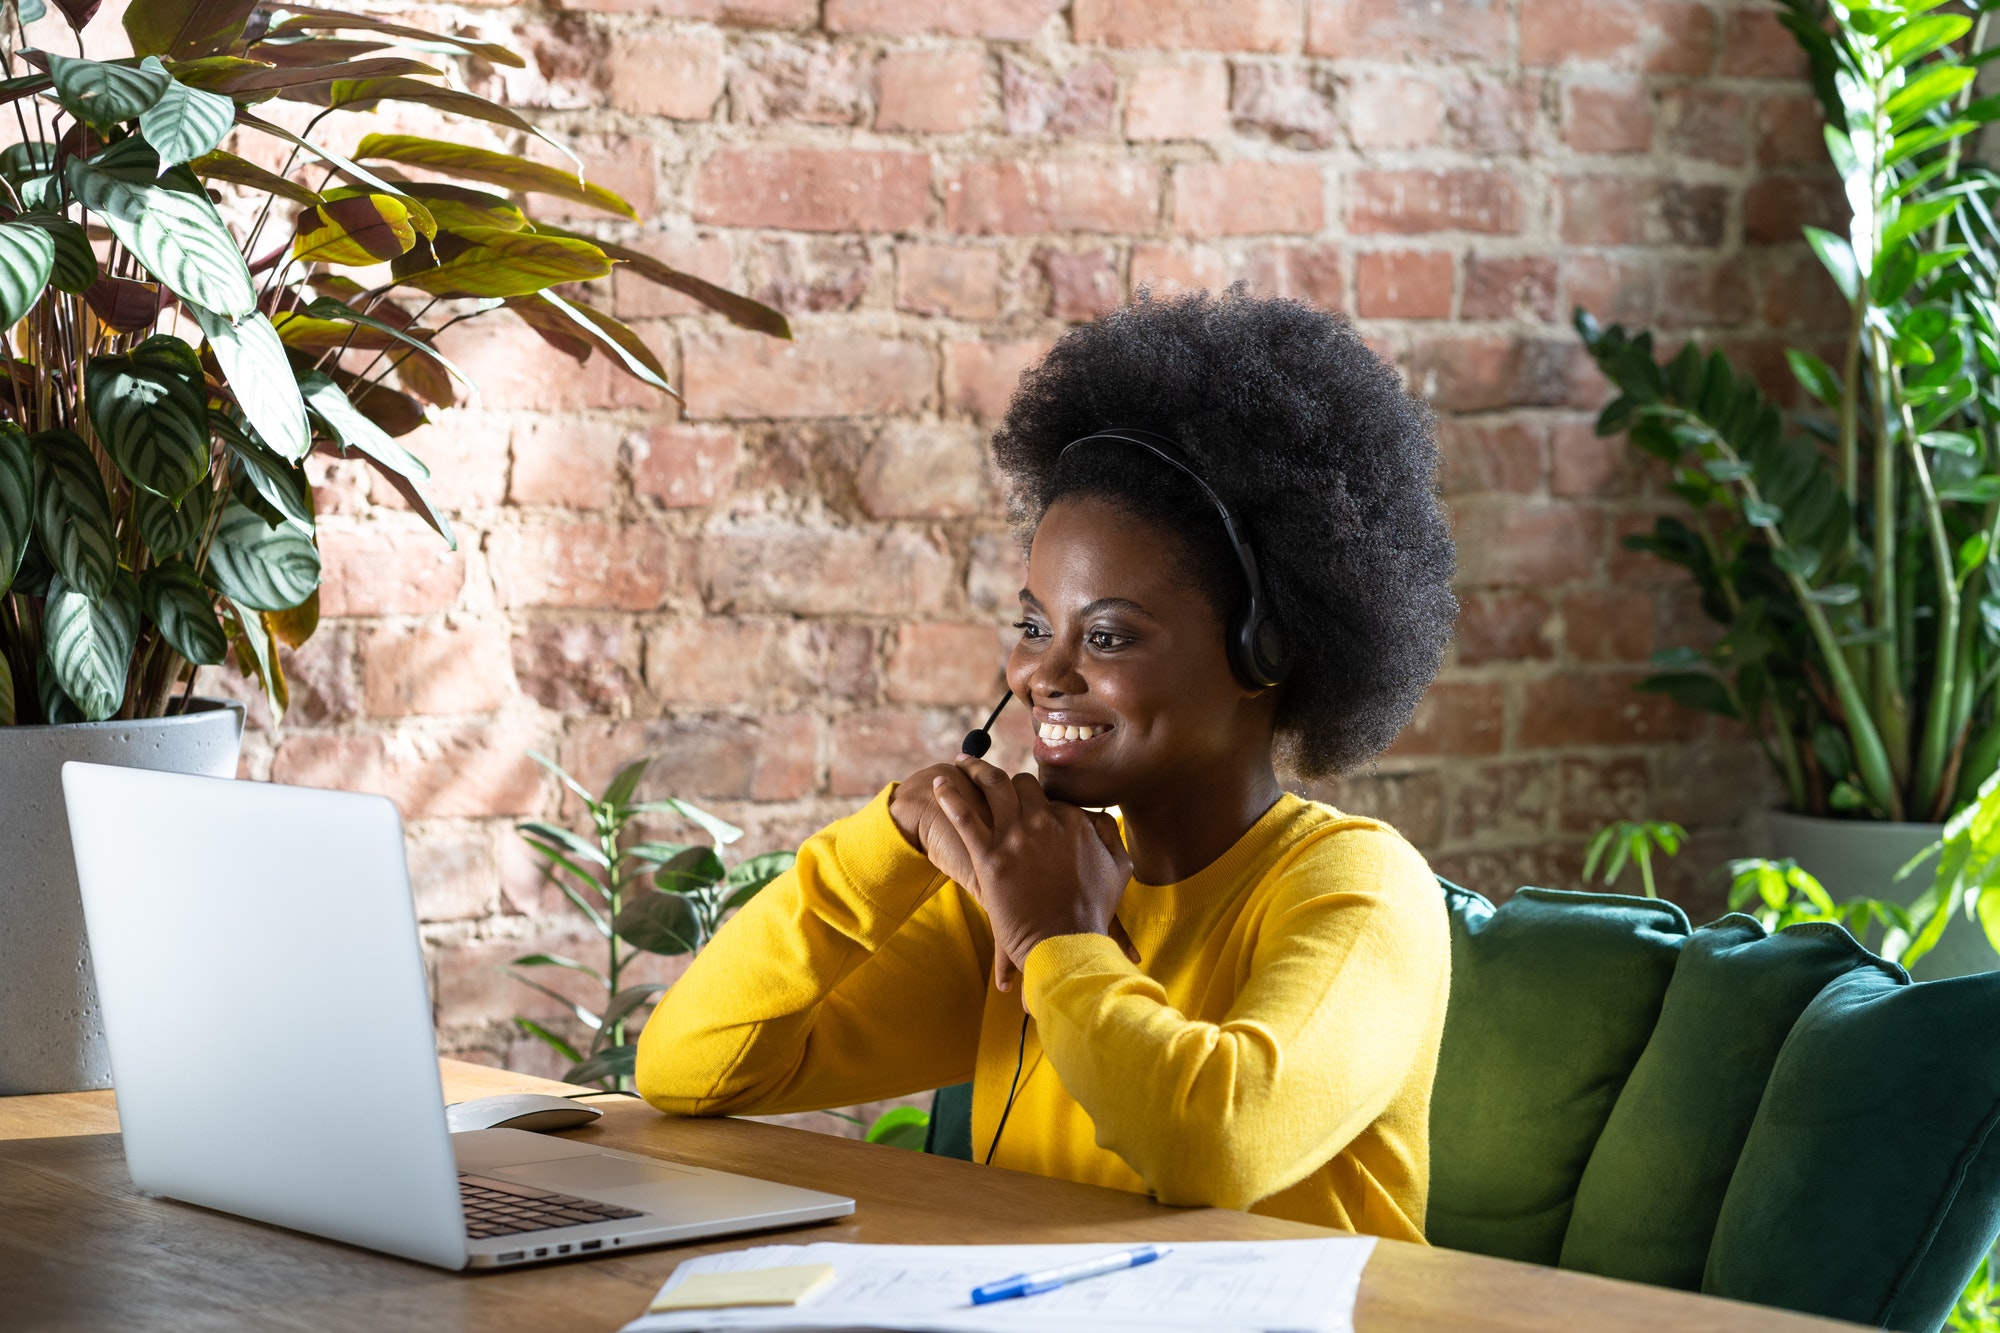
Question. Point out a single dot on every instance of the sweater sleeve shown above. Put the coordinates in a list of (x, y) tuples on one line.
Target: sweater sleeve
[(858, 974), (1345, 988)]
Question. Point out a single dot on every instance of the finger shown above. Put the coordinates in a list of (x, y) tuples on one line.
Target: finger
[(1123, 940), (1034, 801), (971, 829), (1110, 835), (1001, 798), (958, 782)]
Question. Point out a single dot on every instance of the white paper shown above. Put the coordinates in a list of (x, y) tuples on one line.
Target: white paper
[(1282, 1286)]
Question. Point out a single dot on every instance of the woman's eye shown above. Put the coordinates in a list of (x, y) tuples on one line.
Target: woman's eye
[(1105, 641), (1029, 629)]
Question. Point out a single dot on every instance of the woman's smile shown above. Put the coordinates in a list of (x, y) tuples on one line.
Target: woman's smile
[(1062, 738)]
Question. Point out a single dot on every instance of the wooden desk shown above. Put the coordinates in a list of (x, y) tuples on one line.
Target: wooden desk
[(80, 1249)]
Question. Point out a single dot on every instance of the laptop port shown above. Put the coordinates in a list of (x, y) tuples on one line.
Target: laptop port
[(513, 1256), (562, 1249), (591, 1245), (542, 1253)]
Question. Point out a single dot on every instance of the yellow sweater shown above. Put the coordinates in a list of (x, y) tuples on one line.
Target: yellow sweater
[(1273, 1051)]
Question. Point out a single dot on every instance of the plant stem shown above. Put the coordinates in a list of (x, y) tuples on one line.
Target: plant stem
[(1889, 708)]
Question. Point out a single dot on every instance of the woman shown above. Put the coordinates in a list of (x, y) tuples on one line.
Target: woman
[(1233, 996)]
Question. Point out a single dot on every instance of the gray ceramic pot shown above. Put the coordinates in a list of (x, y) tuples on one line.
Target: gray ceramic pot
[(51, 1037), (1859, 858)]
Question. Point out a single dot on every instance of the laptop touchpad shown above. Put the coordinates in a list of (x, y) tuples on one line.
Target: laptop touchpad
[(599, 1171)]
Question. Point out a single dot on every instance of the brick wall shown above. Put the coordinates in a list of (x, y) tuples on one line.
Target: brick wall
[(792, 590)]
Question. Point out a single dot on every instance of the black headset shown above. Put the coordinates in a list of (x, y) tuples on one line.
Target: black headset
[(1258, 653)]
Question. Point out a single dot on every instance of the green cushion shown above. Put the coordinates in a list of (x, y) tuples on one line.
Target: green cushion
[(950, 1132), (1869, 1187), (1553, 997), (1647, 1205)]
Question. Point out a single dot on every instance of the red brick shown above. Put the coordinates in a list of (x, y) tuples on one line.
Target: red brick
[(1616, 119), (813, 189), (628, 167), (1167, 268), (929, 92), (1776, 207), (771, 757), (1509, 456), (464, 667), (1411, 202), (702, 255), (1790, 131), (1658, 36), (1756, 46), (1608, 625), (680, 465), (1626, 210), (745, 13), (1082, 284), (1487, 111), (740, 375), (390, 567), (1007, 197), (1198, 25), (1289, 104), (945, 664), (431, 774), (1411, 803), (1078, 105), (321, 676), (514, 368), (1578, 708), (1614, 290), (1247, 198), (587, 564), (1305, 272), (1705, 124), (676, 73), (454, 872), (1455, 718), (979, 377), (1510, 287), (816, 83), (1004, 20), (1595, 792), (1167, 102), (1712, 295), (769, 566), (1403, 284), (567, 461), (1407, 30), (1496, 801), (1480, 374), (587, 666), (1393, 111), (1503, 627), (768, 663), (871, 750), (921, 469), (954, 280), (1582, 463), (1518, 545), (1638, 569), (811, 273), (1798, 294)]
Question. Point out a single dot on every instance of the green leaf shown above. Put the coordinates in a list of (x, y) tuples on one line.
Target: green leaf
[(1691, 689), (607, 1065), (1920, 37), (177, 234), (719, 829), (624, 1002), (581, 792), (901, 1127), (662, 923), (236, 171), (558, 960), (282, 485), (309, 18), (185, 122), (740, 310), (185, 29), (555, 1043), (749, 878), (695, 869), (151, 415), (27, 257), (259, 373), (89, 641), (73, 513), (1762, 514), (1838, 257), (168, 531), (575, 843), (74, 265), (620, 791), (259, 566), (479, 164), (1951, 441), (457, 207), (17, 500), (503, 263), (358, 228), (176, 600), (104, 95), (1913, 218), (1815, 376), (257, 650), (366, 94), (331, 310), (353, 431), (1936, 84), (8, 715), (608, 333)]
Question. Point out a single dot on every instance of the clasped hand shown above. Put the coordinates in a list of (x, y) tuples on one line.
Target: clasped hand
[(1039, 867)]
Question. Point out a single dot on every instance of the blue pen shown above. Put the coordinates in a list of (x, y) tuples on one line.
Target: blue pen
[(1032, 1284)]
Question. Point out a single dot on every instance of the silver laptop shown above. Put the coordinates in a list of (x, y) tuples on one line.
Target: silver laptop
[(263, 993)]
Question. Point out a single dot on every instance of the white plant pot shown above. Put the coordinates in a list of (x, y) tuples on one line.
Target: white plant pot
[(51, 1036), (1857, 858)]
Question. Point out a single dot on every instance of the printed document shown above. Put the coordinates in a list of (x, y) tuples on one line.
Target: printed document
[(1279, 1286)]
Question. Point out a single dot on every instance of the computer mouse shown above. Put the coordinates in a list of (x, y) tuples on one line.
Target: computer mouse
[(519, 1110)]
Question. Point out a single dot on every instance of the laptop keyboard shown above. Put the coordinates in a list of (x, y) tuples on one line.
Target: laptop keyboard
[(502, 1208)]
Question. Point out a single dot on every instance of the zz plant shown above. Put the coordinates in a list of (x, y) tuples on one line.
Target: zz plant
[(1852, 552), (169, 371)]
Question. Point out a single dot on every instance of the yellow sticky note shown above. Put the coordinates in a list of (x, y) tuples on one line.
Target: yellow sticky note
[(757, 1286)]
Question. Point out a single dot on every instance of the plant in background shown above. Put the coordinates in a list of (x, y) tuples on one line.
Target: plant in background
[(1853, 554), (604, 878), (1632, 841), (168, 373)]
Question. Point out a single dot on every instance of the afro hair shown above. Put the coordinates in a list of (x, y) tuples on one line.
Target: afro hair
[(1313, 443)]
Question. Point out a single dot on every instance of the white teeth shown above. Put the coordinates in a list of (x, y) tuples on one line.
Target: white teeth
[(1050, 731)]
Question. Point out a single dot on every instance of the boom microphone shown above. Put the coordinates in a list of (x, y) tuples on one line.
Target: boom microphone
[(980, 739)]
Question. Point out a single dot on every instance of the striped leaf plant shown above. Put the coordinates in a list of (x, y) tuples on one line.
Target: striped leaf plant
[(1851, 550), (186, 324)]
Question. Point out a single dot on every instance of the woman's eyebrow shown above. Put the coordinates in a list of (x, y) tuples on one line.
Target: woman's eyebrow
[(1125, 604)]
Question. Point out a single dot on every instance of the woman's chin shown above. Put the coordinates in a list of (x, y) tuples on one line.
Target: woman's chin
[(1078, 786)]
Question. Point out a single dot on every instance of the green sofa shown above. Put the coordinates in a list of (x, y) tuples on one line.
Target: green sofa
[(1785, 1119)]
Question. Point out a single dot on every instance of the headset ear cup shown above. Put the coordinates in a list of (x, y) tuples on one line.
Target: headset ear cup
[(1274, 655), (1257, 651)]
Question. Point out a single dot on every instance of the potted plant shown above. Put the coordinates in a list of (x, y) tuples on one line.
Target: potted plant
[(169, 372), (1851, 551)]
